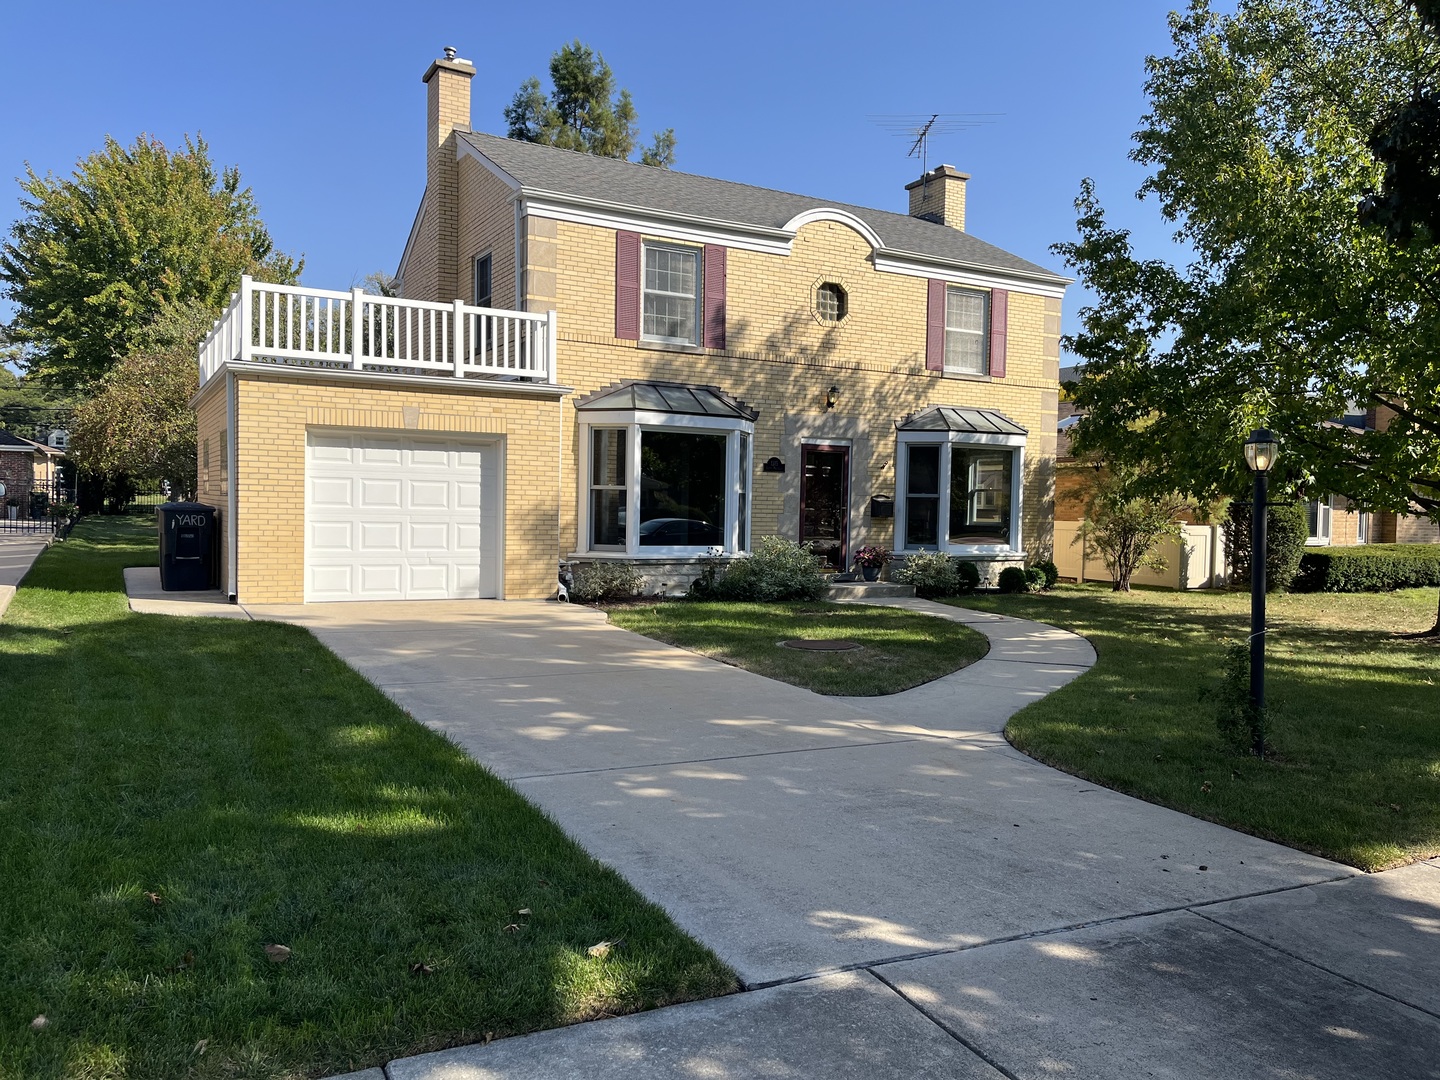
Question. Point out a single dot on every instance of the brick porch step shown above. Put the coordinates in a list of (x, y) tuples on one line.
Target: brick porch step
[(865, 590)]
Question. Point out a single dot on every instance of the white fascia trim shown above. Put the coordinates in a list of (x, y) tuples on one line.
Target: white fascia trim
[(623, 417), (409, 382), (969, 438), (844, 217), (694, 230), (984, 278), (463, 150), (410, 240)]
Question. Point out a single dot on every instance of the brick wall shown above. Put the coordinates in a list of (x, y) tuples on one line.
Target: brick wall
[(274, 415)]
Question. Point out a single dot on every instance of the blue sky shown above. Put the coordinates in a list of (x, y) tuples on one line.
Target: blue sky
[(322, 108)]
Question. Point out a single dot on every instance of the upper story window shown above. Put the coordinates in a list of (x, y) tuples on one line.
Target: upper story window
[(967, 330), (483, 292), (831, 303), (670, 308)]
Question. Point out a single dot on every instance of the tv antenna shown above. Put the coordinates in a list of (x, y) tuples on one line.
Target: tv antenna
[(920, 128)]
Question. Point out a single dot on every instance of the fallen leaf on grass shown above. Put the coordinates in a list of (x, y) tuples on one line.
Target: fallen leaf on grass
[(421, 969), (512, 928), (40, 1023), (154, 898), (605, 948), (277, 954), (524, 911), (1205, 786), (200, 1047)]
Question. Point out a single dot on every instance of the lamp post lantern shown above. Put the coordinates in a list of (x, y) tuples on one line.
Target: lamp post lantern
[(1261, 450)]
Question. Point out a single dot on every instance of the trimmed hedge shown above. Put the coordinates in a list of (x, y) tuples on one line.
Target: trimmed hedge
[(1369, 568)]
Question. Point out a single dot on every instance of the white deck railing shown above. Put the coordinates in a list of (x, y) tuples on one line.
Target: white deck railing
[(294, 326)]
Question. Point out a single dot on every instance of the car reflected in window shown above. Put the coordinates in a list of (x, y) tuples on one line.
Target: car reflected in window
[(679, 532)]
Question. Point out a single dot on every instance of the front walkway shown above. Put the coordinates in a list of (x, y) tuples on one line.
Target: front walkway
[(17, 554), (902, 893)]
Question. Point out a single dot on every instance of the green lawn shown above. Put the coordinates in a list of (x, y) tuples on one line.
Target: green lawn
[(1356, 714), (899, 649), (178, 794)]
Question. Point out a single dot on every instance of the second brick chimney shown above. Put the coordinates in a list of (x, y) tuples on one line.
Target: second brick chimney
[(435, 272), (939, 196)]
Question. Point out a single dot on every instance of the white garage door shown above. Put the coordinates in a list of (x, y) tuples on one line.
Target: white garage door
[(391, 517)]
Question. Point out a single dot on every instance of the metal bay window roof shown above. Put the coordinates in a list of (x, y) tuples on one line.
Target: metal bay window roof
[(661, 397), (971, 421)]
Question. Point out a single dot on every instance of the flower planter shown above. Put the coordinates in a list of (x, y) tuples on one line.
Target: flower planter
[(872, 573)]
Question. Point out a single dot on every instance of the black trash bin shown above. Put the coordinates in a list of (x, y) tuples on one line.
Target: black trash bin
[(187, 547)]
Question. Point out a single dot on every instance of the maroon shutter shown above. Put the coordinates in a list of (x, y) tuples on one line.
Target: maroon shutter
[(999, 319), (935, 327), (714, 336), (627, 286)]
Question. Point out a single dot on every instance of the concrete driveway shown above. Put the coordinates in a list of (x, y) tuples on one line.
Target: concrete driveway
[(18, 553), (902, 893)]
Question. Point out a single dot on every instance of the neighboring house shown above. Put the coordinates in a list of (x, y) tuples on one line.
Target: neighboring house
[(642, 365), (26, 466)]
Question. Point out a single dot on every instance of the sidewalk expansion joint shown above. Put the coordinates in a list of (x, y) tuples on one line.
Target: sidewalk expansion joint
[(1029, 935), (966, 1043), (1347, 979), (707, 760)]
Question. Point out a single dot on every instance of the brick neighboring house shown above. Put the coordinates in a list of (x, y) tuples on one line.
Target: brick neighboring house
[(641, 364), (25, 466)]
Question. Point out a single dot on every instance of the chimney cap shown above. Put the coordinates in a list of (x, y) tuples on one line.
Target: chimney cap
[(938, 173), (450, 52), (449, 62)]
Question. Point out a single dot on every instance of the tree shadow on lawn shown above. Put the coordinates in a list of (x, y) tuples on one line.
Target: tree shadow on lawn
[(178, 794)]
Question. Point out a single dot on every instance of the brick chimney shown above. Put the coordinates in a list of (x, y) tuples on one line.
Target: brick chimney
[(939, 196), (435, 274)]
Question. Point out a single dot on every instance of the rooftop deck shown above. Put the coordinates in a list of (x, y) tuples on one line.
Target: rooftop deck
[(294, 326)]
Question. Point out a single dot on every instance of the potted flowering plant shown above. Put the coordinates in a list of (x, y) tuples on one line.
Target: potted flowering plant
[(871, 560)]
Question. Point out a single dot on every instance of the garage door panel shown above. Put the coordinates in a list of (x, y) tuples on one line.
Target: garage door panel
[(430, 494), (331, 538), (329, 492), (379, 494), (381, 536), (400, 517), (431, 537)]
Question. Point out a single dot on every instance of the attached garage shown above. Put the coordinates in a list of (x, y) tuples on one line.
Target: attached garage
[(401, 517)]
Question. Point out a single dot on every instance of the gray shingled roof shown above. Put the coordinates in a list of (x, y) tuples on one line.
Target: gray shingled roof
[(568, 172)]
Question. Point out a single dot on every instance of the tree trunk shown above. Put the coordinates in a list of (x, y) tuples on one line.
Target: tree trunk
[(1122, 579)]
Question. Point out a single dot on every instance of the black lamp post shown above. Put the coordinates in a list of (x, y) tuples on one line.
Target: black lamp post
[(1261, 450)]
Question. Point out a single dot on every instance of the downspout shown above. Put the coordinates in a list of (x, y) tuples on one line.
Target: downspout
[(232, 478)]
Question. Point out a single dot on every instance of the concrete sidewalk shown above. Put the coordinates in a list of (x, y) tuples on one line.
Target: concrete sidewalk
[(17, 554), (901, 892)]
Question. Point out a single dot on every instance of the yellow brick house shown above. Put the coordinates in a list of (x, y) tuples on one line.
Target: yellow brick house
[(591, 359)]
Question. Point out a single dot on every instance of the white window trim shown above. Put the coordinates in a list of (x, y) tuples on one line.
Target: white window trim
[(636, 423), (699, 297), (984, 332), (1325, 519), (907, 439)]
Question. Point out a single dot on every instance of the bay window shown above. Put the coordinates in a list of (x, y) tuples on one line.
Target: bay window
[(661, 481), (958, 474)]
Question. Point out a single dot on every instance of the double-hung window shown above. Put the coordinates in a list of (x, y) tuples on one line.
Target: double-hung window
[(671, 288), (967, 330)]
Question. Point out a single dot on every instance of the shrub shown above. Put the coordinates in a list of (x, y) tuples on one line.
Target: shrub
[(1242, 726), (969, 576), (933, 573), (1286, 530), (600, 581), (1048, 572), (1369, 568), (1014, 579), (779, 569), (1126, 523)]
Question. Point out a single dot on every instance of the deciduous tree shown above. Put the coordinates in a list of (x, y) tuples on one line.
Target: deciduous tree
[(94, 257), (1291, 310)]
